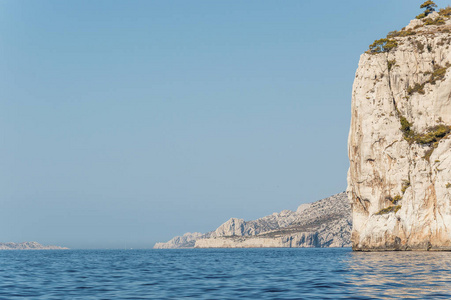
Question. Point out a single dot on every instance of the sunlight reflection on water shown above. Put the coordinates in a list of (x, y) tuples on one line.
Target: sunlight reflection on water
[(424, 275)]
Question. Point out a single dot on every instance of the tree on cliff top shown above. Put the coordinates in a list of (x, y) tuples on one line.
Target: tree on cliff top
[(429, 7), (382, 45)]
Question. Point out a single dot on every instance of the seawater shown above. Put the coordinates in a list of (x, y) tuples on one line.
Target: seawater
[(224, 274)]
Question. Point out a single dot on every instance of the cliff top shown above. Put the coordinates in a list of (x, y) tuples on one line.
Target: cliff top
[(428, 23)]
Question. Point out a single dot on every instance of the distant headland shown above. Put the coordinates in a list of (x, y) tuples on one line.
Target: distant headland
[(29, 246), (324, 223)]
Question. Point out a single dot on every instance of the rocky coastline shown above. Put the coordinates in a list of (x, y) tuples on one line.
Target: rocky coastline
[(324, 223), (28, 246)]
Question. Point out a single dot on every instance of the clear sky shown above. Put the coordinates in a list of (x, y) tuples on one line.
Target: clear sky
[(124, 123)]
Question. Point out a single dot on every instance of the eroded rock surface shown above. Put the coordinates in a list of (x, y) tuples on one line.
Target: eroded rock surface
[(325, 223), (185, 241), (399, 181)]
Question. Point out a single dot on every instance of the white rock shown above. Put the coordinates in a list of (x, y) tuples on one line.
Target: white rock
[(381, 160), (414, 23), (325, 223), (185, 241)]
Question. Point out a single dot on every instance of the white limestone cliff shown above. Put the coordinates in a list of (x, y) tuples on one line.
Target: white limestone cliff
[(399, 180), (325, 223)]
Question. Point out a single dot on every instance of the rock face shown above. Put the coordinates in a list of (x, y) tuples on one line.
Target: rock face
[(28, 246), (399, 180), (186, 241), (325, 223)]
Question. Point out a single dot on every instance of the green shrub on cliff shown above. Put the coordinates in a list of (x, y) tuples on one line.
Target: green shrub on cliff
[(389, 210), (405, 126), (438, 74), (417, 88), (391, 64), (386, 44), (401, 33), (437, 21), (419, 45), (445, 11), (383, 45), (434, 134), (429, 7), (397, 198)]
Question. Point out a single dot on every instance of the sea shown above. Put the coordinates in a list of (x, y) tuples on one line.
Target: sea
[(293, 273)]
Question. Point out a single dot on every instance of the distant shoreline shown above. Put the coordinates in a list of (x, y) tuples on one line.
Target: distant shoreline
[(29, 246)]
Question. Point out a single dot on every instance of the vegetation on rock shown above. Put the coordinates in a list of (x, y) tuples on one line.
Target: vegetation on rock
[(411, 66), (383, 45), (419, 45), (405, 126), (401, 33), (386, 44), (429, 7), (437, 21), (437, 75), (433, 134), (396, 199), (417, 88), (445, 11), (389, 209), (405, 185), (431, 137), (391, 64)]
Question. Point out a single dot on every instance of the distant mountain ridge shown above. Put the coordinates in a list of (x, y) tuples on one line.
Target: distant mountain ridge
[(28, 246), (324, 223)]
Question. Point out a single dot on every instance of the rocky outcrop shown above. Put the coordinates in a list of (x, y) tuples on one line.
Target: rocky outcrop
[(28, 246), (239, 227), (399, 180), (325, 223), (185, 241), (302, 239)]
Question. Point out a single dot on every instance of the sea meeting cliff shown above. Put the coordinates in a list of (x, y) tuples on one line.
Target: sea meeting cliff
[(399, 180), (399, 145)]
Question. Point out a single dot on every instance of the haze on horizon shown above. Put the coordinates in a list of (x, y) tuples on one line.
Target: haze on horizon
[(127, 123)]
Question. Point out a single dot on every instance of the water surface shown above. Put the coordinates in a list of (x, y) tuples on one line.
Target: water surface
[(224, 274)]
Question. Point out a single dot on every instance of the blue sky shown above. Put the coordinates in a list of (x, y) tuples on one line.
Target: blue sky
[(124, 123)]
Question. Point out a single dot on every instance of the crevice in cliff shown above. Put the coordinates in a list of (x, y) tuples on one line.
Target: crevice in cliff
[(362, 203), (391, 145)]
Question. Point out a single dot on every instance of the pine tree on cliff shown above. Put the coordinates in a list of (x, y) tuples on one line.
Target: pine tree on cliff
[(429, 7)]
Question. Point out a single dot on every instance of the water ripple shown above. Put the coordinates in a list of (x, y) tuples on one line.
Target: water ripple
[(224, 274)]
